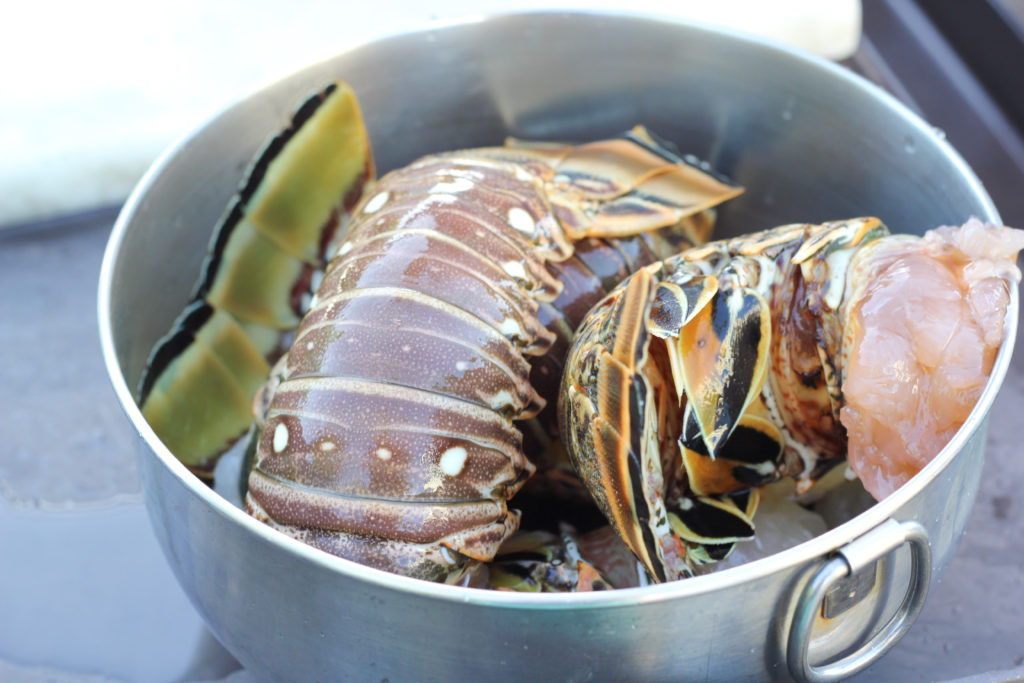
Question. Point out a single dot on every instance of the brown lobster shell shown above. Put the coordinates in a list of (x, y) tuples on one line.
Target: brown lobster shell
[(390, 438)]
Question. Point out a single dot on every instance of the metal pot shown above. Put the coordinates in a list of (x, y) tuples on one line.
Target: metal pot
[(809, 140)]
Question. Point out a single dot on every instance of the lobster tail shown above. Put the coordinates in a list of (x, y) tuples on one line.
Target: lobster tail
[(400, 390), (406, 374), (704, 377)]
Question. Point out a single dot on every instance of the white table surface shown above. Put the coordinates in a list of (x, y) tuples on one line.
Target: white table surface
[(92, 92)]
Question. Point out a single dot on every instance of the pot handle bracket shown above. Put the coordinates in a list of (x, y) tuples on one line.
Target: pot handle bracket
[(855, 556)]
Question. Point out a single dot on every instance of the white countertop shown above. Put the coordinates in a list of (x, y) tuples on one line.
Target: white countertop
[(101, 88)]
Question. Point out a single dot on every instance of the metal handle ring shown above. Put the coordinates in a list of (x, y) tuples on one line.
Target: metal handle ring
[(882, 540)]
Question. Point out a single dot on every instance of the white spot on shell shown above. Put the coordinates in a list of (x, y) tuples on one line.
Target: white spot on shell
[(453, 185), (344, 249), (328, 446), (453, 460), (280, 437), (406, 348), (309, 346), (521, 220), (461, 365), (510, 328), (501, 400), (438, 198), (376, 202), (521, 174), (383, 454), (515, 269)]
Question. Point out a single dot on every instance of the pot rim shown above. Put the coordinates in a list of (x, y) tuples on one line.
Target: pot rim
[(808, 551)]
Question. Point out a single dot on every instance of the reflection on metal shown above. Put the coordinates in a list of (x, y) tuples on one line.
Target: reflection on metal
[(848, 591)]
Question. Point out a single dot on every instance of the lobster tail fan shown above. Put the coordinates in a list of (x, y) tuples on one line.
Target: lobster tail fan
[(727, 346), (199, 383)]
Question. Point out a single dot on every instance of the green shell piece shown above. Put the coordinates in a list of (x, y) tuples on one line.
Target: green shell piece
[(198, 402), (198, 387)]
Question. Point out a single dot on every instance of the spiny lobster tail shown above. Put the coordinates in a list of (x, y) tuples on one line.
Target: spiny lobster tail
[(399, 389), (200, 380), (737, 344)]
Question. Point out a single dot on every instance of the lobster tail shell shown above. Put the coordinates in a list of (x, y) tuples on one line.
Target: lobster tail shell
[(400, 390)]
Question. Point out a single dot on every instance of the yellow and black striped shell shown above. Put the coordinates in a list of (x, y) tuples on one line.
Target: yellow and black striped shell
[(706, 376)]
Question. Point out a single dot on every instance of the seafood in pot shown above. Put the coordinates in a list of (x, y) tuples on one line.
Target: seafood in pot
[(740, 362), (386, 433)]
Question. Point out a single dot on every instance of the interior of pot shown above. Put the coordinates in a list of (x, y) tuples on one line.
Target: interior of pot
[(809, 141)]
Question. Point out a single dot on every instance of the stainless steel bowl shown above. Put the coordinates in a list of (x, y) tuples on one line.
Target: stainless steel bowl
[(809, 140)]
